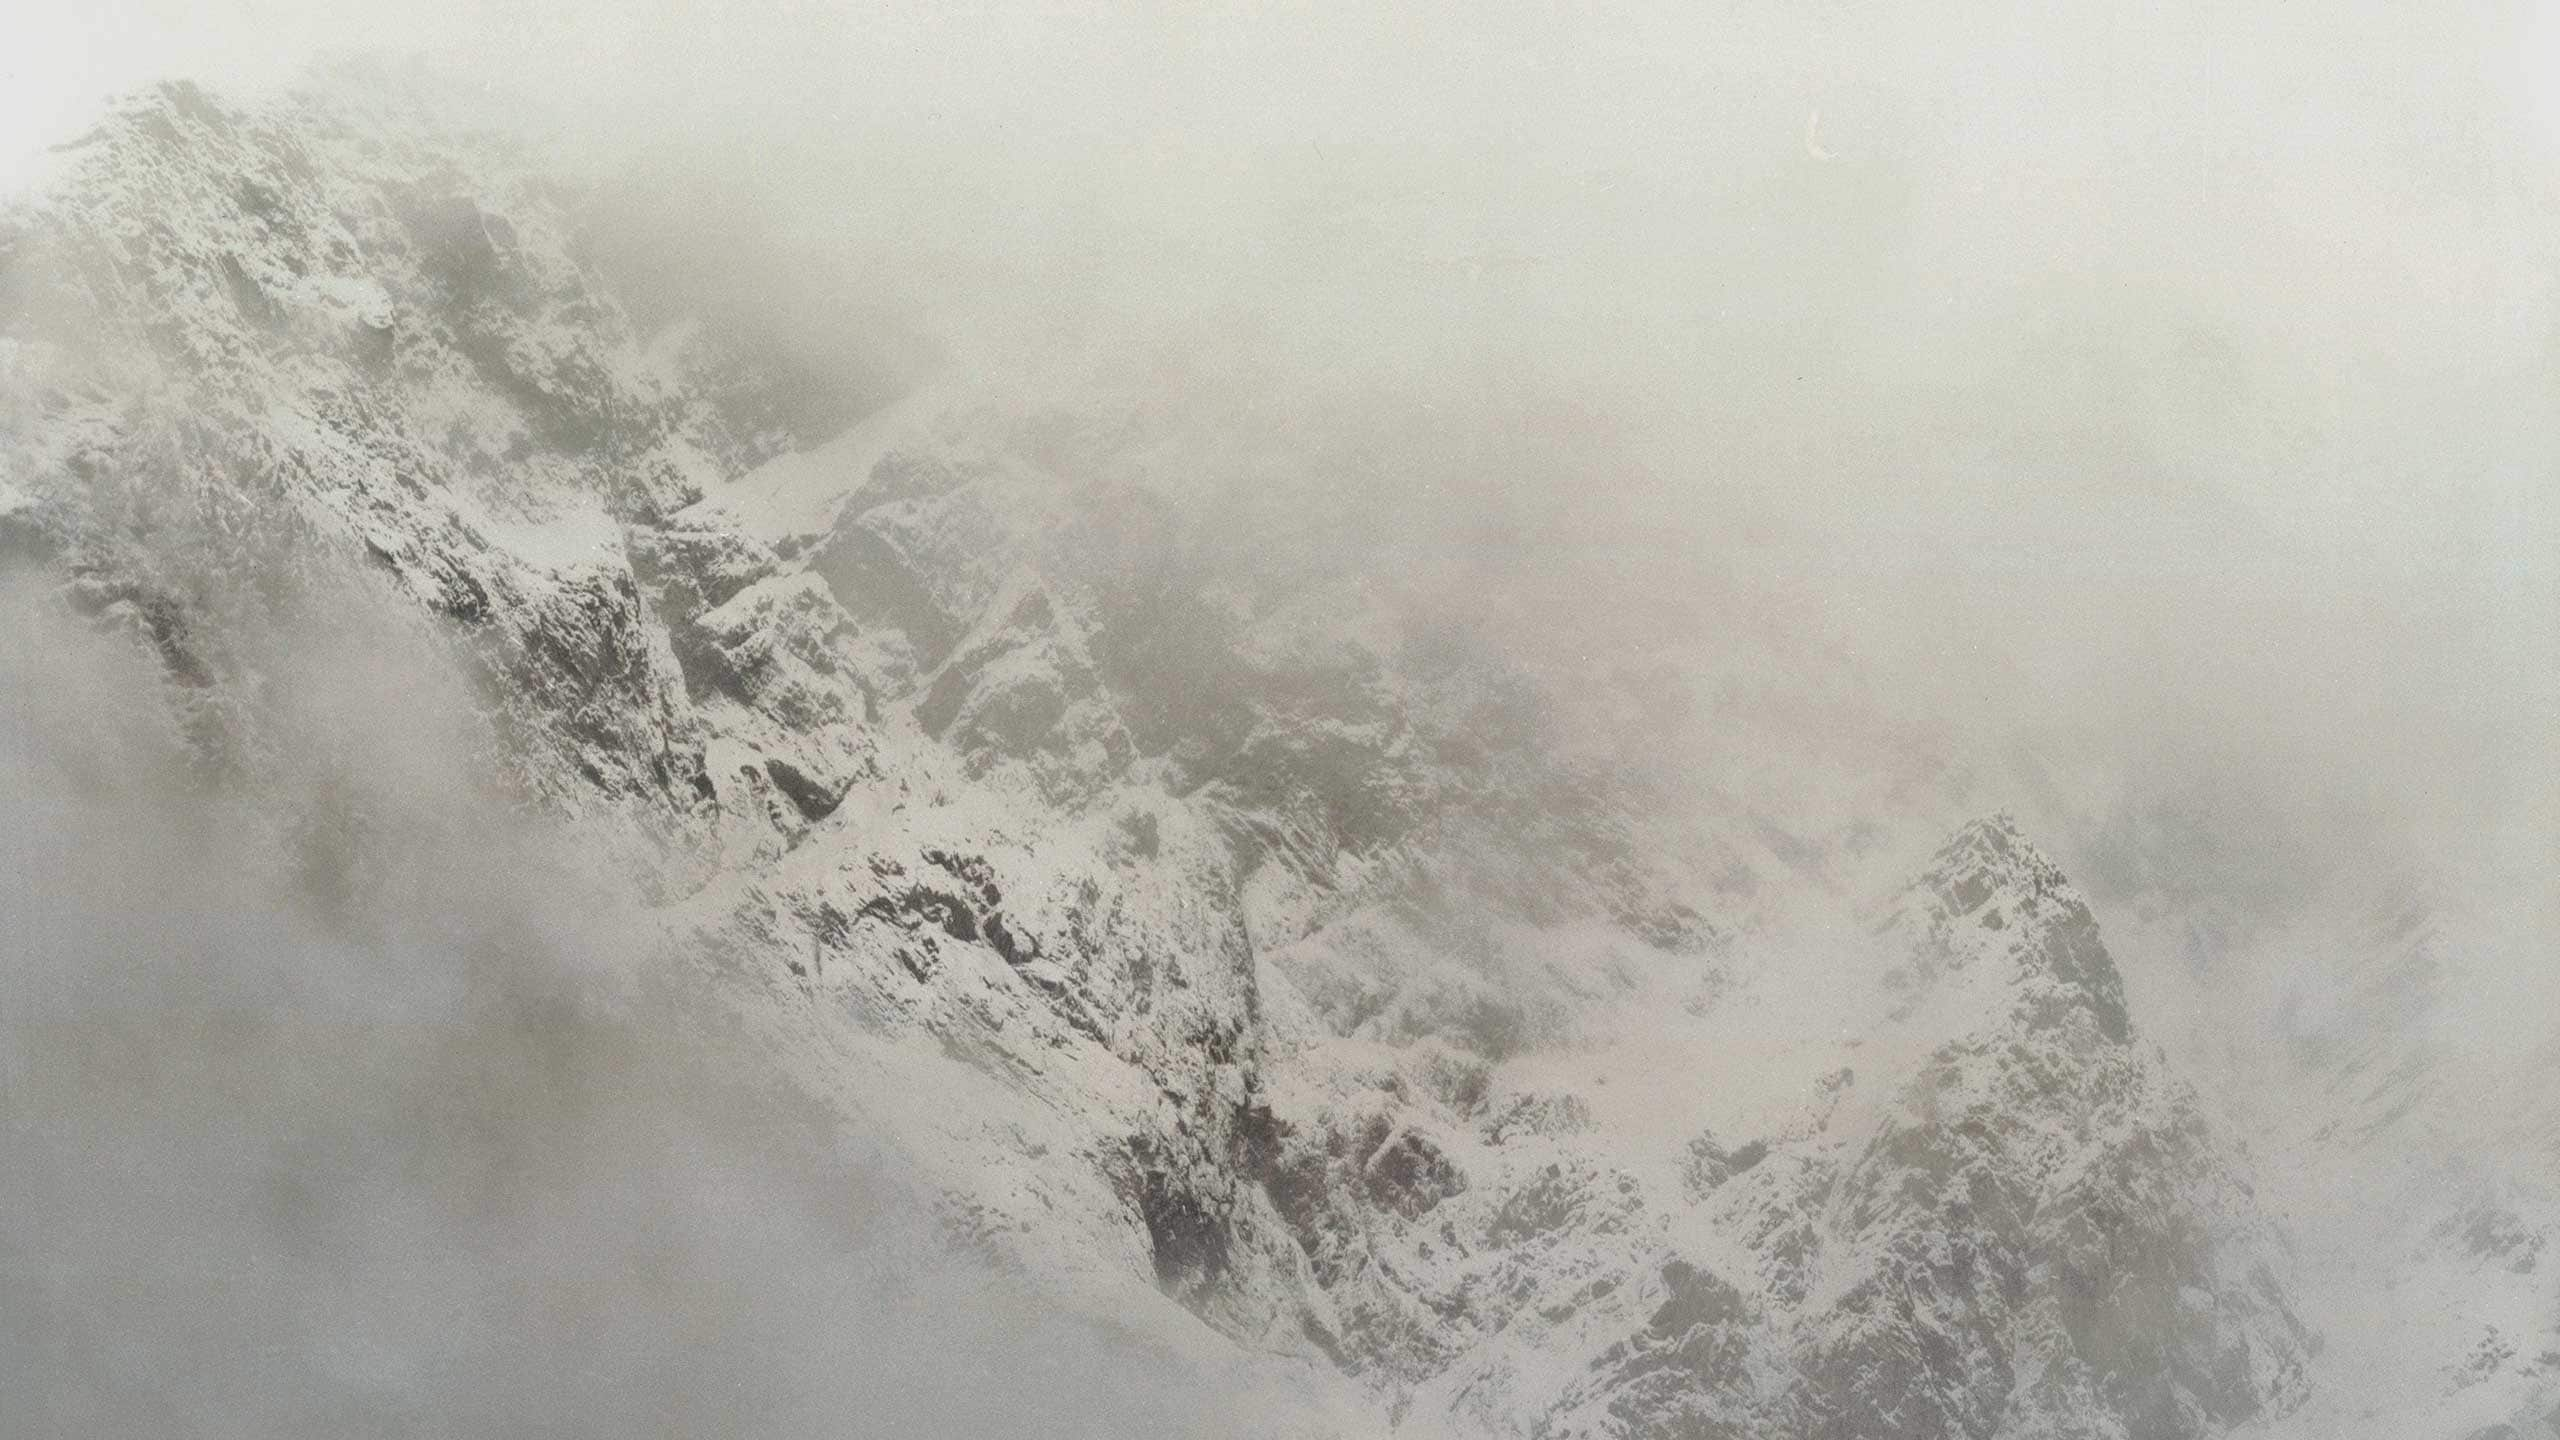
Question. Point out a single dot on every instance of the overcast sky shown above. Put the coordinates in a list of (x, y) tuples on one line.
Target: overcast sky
[(2171, 385), (2160, 400)]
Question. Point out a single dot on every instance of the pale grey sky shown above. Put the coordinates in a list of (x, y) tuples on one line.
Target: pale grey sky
[(2177, 378)]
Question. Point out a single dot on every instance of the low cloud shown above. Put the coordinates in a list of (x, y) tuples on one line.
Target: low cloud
[(334, 1100)]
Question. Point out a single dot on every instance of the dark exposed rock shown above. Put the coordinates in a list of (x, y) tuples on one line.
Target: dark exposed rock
[(1710, 1164), (814, 801)]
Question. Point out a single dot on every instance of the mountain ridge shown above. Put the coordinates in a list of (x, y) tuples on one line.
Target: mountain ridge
[(1266, 939)]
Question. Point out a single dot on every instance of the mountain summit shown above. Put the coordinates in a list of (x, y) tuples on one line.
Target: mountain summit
[(1990, 903)]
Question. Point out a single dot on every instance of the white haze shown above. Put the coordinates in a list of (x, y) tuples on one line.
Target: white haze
[(336, 1101), (2184, 377), (2163, 402)]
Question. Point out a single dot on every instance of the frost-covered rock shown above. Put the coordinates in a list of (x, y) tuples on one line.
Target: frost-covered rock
[(1216, 930)]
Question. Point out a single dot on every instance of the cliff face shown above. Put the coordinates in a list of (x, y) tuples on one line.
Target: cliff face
[(1210, 925), (2005, 1218)]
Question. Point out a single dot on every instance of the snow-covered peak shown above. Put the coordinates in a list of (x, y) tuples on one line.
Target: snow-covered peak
[(1988, 855), (1992, 910)]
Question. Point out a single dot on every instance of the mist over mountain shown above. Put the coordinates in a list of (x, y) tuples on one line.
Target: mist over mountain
[(788, 720)]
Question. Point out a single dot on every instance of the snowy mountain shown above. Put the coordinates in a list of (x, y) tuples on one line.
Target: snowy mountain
[(1228, 942)]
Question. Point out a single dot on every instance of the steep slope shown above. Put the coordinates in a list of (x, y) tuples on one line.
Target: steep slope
[(2422, 1176), (2383, 1038), (1218, 931), (2005, 1218), (213, 446)]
